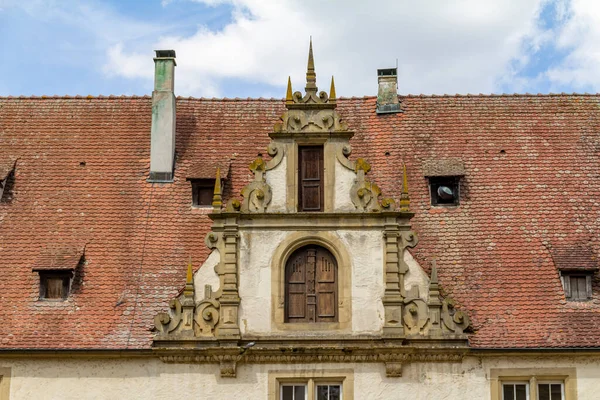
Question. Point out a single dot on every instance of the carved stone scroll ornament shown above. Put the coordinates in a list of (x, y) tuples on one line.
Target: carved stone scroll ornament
[(342, 152), (207, 314), (257, 194), (432, 318), (454, 321), (276, 151), (168, 322), (365, 194)]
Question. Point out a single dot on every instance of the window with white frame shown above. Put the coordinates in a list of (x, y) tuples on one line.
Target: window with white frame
[(300, 391), (533, 384), (311, 385)]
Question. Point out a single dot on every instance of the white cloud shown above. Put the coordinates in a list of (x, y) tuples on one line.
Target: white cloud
[(442, 47), (579, 37)]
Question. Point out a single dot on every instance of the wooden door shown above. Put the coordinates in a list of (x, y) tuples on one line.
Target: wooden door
[(311, 286), (310, 179)]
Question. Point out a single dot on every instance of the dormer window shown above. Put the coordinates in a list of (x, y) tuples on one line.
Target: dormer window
[(7, 180), (444, 180), (56, 268), (202, 192), (444, 190), (55, 284), (577, 285), (202, 177)]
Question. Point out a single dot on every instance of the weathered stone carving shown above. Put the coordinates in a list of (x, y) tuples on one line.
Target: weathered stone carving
[(342, 153), (207, 314), (257, 194), (180, 319), (393, 361), (168, 322), (454, 321), (312, 113), (433, 318), (276, 151)]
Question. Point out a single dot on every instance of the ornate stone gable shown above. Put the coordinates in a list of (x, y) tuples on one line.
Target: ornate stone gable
[(253, 235)]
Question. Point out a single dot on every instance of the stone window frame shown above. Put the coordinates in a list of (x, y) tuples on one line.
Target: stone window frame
[(5, 375), (292, 166), (311, 378), (281, 255), (568, 376)]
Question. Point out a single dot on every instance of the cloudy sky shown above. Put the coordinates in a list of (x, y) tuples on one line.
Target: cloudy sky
[(247, 48)]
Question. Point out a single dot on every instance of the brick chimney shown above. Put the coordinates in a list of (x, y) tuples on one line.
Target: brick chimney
[(387, 95), (162, 138)]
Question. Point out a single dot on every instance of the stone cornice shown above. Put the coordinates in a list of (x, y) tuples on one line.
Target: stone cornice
[(280, 350)]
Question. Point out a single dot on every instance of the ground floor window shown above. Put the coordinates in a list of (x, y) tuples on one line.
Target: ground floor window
[(533, 384), (300, 391), (521, 391), (311, 385)]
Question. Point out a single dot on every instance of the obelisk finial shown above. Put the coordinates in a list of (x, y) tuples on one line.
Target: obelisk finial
[(188, 291), (404, 199), (311, 76), (288, 96), (332, 97), (217, 198)]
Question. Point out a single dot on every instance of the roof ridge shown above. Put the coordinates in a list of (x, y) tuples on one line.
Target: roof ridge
[(224, 99)]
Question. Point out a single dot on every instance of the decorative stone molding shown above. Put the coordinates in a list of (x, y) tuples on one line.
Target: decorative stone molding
[(314, 112), (216, 315), (393, 357), (276, 151), (365, 194), (257, 194), (343, 151)]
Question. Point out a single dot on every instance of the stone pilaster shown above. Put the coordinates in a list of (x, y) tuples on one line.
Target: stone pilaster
[(229, 328), (393, 298)]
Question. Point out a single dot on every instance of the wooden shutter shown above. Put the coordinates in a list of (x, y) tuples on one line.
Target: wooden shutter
[(311, 286), (295, 288), (326, 286), (310, 180)]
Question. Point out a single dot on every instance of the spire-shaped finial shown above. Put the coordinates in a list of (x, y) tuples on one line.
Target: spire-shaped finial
[(434, 277), (188, 291), (332, 91), (288, 96), (217, 199), (311, 76), (404, 199), (434, 287)]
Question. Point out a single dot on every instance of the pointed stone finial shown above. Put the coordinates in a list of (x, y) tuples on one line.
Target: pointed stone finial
[(434, 287), (332, 97), (404, 199), (288, 96), (217, 198), (188, 291), (311, 76), (434, 275)]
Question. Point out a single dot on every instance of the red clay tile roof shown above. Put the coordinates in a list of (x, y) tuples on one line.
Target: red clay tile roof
[(204, 170), (574, 257), (531, 184), (66, 258)]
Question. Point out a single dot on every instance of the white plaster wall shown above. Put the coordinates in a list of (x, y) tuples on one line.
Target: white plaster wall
[(206, 275), (149, 378), (365, 249), (416, 276), (276, 178), (256, 253), (344, 179)]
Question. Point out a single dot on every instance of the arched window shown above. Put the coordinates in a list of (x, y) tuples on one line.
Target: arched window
[(311, 286)]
